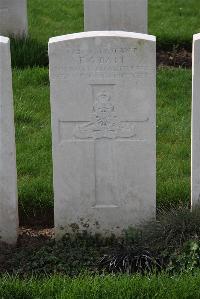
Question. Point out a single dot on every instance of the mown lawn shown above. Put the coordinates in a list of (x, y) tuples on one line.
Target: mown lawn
[(169, 20), (33, 137), (173, 136), (174, 21), (102, 287)]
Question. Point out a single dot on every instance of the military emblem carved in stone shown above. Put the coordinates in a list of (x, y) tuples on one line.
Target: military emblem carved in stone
[(105, 123)]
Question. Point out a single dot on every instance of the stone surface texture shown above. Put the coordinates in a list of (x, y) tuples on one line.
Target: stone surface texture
[(8, 173), (13, 18), (127, 15), (195, 161), (103, 103)]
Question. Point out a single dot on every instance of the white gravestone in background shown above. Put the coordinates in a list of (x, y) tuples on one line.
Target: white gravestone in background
[(195, 181), (103, 102), (127, 15), (13, 18), (8, 174)]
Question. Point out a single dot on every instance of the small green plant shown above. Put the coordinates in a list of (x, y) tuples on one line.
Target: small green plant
[(187, 259), (171, 242)]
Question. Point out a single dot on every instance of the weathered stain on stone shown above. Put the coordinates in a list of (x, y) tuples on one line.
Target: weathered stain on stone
[(74, 227)]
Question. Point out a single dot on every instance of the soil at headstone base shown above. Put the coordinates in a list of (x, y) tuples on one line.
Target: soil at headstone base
[(37, 218), (174, 58), (14, 259)]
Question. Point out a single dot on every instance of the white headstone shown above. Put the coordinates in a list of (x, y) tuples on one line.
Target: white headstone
[(195, 181), (103, 101), (13, 18), (127, 15), (8, 174)]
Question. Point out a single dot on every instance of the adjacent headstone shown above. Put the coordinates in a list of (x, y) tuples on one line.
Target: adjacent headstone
[(103, 101), (195, 181), (13, 18), (8, 174), (127, 15)]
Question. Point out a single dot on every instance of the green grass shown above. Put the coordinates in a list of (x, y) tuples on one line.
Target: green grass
[(170, 20), (162, 287), (173, 136), (33, 137), (51, 18), (173, 22)]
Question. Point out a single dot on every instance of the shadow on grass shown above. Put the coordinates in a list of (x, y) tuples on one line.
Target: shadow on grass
[(28, 52), (170, 44), (36, 217)]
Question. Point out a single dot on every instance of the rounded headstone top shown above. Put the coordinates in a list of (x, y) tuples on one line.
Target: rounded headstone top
[(122, 34), (196, 36), (4, 39)]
